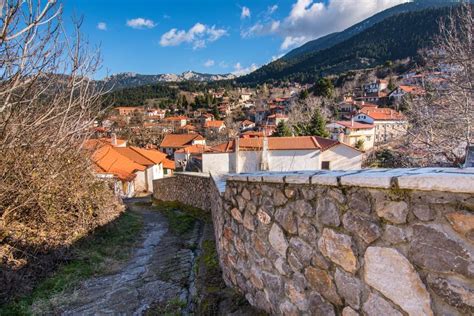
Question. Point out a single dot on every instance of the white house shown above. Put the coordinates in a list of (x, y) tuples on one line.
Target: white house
[(280, 154), (130, 169), (402, 90), (376, 86)]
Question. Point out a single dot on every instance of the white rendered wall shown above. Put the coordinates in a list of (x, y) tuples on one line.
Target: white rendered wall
[(342, 157)]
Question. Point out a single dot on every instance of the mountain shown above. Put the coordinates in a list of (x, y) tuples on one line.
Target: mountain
[(338, 37), (396, 37), (128, 80)]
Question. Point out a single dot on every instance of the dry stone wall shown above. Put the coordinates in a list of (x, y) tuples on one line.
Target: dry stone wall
[(398, 242), (347, 244)]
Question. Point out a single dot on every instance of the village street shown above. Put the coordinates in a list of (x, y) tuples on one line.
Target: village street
[(160, 270)]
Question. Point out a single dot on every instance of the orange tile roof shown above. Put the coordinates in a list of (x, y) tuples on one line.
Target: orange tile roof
[(110, 161), (179, 140), (134, 156), (189, 127), (355, 125), (169, 164), (279, 143), (194, 149), (383, 114), (151, 154), (92, 144), (412, 89), (252, 134), (214, 124), (176, 118)]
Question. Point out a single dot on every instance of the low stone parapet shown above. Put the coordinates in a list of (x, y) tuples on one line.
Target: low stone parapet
[(372, 242)]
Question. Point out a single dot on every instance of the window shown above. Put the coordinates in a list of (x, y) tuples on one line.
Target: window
[(325, 165)]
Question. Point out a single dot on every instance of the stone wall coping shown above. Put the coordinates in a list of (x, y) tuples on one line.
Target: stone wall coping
[(425, 179), (193, 174)]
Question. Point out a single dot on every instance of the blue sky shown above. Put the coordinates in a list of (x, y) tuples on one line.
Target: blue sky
[(211, 36)]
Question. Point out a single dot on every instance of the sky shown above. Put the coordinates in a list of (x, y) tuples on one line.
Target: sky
[(209, 36)]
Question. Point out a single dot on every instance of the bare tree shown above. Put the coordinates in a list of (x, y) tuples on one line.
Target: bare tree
[(48, 103), (441, 123)]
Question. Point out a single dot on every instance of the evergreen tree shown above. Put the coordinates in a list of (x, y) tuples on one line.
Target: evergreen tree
[(215, 112), (324, 88), (282, 130), (317, 125), (304, 94)]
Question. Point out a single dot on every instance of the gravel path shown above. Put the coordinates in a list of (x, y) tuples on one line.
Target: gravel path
[(160, 270)]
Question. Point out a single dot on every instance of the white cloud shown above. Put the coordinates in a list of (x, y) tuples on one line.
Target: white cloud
[(309, 19), (290, 42), (141, 23), (223, 64), (102, 26), (198, 36), (239, 70), (209, 63), (272, 9), (245, 13)]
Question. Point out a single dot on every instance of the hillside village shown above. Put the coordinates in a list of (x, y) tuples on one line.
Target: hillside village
[(245, 132)]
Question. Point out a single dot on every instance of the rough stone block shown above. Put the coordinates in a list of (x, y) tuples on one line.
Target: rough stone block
[(278, 240), (363, 226), (393, 211), (389, 272), (377, 306), (349, 287), (321, 281), (338, 248), (437, 248)]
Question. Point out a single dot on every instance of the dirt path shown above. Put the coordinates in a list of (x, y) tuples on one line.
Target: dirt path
[(159, 271)]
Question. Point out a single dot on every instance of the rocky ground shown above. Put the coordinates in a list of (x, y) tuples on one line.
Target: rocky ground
[(168, 273)]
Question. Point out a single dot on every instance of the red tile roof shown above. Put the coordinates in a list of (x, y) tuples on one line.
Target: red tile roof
[(176, 118), (412, 89), (151, 154), (383, 114), (110, 161), (279, 143), (194, 149), (179, 140), (169, 164), (134, 156), (214, 124), (355, 125)]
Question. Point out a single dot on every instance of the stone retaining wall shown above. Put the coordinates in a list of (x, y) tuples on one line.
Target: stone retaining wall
[(371, 243), (186, 187)]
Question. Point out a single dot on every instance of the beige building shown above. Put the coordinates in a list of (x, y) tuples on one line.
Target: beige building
[(389, 124), (355, 134)]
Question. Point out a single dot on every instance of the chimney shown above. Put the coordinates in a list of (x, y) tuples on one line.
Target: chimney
[(114, 139), (236, 154), (264, 164)]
